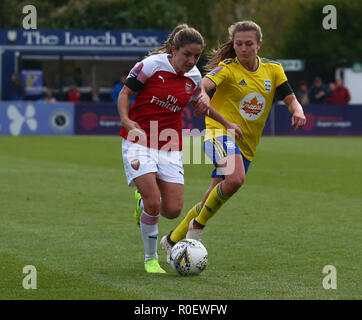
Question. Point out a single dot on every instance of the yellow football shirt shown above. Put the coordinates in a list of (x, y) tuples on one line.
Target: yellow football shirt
[(244, 97)]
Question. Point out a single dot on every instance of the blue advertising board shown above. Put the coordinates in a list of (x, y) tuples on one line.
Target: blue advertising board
[(96, 119), (103, 119), (322, 120), (35, 118), (29, 118)]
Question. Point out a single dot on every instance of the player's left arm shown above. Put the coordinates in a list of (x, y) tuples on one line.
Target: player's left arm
[(295, 108), (286, 93)]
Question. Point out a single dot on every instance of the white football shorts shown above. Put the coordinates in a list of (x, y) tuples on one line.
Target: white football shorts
[(139, 160)]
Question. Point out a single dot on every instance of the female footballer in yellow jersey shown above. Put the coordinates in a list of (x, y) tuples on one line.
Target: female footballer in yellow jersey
[(245, 88)]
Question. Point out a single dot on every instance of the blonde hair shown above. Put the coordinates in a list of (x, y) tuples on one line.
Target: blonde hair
[(226, 50), (179, 37)]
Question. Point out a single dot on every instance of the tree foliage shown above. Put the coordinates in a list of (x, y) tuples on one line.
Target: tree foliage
[(120, 14), (324, 50), (291, 29), (274, 18), (95, 14), (211, 17)]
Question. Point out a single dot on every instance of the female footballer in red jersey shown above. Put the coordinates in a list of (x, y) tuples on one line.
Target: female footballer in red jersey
[(245, 88), (164, 83)]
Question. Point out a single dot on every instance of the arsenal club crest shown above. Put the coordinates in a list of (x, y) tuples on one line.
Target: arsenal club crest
[(135, 164), (188, 87)]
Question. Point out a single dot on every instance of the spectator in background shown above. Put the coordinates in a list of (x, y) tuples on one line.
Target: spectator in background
[(302, 92), (95, 95), (78, 78), (47, 97), (118, 85), (318, 91), (17, 90), (339, 93), (74, 94), (332, 89)]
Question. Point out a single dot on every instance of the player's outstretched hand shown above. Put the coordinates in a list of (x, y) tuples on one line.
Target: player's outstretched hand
[(298, 120)]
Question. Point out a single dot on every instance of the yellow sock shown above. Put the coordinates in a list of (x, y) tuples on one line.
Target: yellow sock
[(180, 232), (212, 204)]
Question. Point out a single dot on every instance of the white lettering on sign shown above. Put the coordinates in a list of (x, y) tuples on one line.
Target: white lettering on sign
[(127, 39)]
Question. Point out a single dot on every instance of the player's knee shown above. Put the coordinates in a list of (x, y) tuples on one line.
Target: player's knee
[(173, 215), (152, 205), (173, 212), (234, 183)]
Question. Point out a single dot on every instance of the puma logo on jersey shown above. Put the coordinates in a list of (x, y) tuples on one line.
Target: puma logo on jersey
[(162, 78), (243, 83)]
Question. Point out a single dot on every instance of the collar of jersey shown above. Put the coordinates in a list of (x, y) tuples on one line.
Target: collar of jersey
[(247, 69)]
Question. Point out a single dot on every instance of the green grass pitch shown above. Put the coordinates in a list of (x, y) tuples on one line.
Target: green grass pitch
[(65, 208)]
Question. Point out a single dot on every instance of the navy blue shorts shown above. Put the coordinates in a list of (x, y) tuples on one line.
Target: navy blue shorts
[(219, 148)]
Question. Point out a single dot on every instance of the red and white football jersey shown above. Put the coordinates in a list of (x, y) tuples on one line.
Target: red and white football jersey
[(161, 95)]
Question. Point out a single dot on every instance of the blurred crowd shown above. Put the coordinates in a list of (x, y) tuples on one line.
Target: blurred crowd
[(75, 92), (319, 92)]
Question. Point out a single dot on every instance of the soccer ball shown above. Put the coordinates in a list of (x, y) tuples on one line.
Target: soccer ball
[(189, 257)]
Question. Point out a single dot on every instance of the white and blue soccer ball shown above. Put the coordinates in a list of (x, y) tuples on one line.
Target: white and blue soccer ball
[(189, 257)]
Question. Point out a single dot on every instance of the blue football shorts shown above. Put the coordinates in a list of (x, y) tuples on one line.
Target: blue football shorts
[(219, 148)]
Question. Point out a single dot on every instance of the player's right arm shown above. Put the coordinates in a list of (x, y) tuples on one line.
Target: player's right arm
[(136, 80), (124, 98)]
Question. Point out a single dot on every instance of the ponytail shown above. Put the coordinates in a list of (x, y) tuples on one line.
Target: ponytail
[(179, 37)]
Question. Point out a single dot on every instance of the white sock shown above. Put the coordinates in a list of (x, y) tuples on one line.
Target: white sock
[(149, 230), (141, 204)]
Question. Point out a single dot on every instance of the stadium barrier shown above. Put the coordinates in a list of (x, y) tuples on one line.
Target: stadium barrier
[(96, 119), (62, 118), (322, 120), (36, 118), (103, 119)]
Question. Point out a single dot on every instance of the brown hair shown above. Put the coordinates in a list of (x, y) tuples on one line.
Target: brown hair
[(179, 37), (226, 50)]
